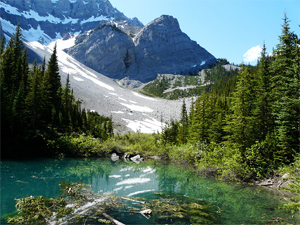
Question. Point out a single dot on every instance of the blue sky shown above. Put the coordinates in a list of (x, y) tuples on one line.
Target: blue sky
[(226, 28)]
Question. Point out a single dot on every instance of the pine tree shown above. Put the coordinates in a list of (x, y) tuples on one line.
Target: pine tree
[(241, 125), (183, 128), (286, 94), (67, 103), (264, 100), (52, 86), (2, 45), (198, 129), (34, 97)]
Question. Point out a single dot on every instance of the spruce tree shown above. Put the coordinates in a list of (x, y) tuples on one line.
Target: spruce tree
[(264, 99), (2, 45), (198, 129), (52, 86), (241, 125), (183, 128), (34, 97), (286, 110)]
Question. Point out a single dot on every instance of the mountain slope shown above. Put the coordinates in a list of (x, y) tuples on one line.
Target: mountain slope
[(130, 110)]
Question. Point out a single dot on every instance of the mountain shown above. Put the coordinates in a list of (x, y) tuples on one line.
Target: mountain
[(159, 47), (130, 110), (94, 42), (48, 20)]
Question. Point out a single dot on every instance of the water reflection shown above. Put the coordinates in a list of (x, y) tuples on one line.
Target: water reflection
[(237, 203)]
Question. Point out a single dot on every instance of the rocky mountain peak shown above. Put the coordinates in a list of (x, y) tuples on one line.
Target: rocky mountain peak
[(159, 28), (159, 47), (47, 20)]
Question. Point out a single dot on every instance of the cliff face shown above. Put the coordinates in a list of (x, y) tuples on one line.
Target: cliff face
[(160, 47), (106, 49)]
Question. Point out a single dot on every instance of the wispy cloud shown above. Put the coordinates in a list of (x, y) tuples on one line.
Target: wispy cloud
[(252, 54)]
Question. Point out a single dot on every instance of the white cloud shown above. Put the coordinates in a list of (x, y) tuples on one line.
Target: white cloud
[(252, 54)]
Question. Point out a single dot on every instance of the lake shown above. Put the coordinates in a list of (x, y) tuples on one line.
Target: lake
[(236, 203)]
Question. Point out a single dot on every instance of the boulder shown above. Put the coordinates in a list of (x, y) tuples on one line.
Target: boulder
[(114, 157), (137, 159)]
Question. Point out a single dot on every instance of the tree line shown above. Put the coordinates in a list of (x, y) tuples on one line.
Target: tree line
[(33, 100), (252, 118)]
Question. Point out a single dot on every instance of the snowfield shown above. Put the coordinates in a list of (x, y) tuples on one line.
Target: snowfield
[(130, 110)]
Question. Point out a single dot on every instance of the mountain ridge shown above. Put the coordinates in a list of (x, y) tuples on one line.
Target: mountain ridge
[(159, 47)]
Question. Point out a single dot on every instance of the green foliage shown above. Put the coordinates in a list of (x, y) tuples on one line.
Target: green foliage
[(38, 210), (91, 207), (34, 102), (250, 121), (294, 188)]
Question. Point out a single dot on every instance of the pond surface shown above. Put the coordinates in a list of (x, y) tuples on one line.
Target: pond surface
[(236, 203)]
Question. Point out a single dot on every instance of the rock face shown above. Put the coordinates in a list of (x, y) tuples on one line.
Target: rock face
[(160, 47), (106, 49), (55, 18), (108, 41)]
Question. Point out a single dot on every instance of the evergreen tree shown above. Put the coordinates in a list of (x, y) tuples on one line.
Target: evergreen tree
[(241, 124), (183, 128), (198, 129), (34, 97), (2, 45), (264, 100), (286, 94), (52, 82)]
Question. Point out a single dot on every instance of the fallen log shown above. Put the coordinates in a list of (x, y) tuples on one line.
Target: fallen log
[(112, 219)]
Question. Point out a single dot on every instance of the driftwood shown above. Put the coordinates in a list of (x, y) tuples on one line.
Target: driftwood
[(112, 219)]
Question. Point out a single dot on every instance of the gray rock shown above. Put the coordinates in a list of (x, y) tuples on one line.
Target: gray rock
[(114, 157), (160, 47), (1, 31), (63, 16), (137, 159)]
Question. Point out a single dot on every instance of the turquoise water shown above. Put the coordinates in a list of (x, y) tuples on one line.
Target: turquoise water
[(237, 204)]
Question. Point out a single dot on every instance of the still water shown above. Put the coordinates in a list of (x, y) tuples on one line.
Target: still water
[(237, 204)]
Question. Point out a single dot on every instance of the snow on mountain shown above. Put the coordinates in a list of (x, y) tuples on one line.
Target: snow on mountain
[(131, 111)]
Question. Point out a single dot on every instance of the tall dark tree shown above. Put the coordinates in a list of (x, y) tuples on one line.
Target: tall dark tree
[(2, 45), (34, 97), (183, 128), (241, 124), (264, 99), (286, 93), (52, 86)]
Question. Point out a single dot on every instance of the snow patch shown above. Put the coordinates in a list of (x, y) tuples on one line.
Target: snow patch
[(78, 78), (96, 19), (123, 99), (148, 126), (142, 96), (69, 65), (118, 112), (137, 107)]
